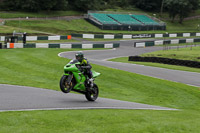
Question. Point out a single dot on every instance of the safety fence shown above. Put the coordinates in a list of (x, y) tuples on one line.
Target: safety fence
[(163, 42), (187, 63), (106, 36), (36, 38), (129, 36), (55, 45)]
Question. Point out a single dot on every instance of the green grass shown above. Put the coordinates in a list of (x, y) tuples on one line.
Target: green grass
[(187, 26), (182, 53), (9, 14), (101, 121), (82, 26), (58, 26), (8, 29), (187, 45), (43, 68)]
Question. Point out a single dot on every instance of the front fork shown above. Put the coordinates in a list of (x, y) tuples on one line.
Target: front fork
[(69, 78)]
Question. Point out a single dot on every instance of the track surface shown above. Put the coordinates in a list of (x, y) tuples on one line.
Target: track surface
[(21, 98)]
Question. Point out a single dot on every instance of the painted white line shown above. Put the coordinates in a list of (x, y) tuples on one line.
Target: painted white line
[(83, 51), (127, 40), (85, 108), (113, 58)]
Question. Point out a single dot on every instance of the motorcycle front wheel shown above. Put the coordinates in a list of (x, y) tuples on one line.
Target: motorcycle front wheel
[(92, 94), (64, 86)]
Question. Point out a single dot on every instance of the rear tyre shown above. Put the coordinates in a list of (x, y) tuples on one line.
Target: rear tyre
[(92, 94), (64, 86)]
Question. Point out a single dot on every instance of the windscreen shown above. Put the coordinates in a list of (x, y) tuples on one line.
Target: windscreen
[(73, 61)]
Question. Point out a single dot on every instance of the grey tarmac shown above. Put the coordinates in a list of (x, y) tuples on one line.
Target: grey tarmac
[(21, 98)]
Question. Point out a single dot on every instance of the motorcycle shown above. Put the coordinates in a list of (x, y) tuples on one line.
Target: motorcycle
[(74, 79)]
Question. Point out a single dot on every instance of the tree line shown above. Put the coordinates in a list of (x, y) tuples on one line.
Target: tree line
[(180, 8)]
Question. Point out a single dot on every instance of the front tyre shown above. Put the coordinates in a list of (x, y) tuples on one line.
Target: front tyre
[(92, 94), (64, 86)]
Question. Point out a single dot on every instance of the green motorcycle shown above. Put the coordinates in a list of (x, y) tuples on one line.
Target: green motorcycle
[(75, 80)]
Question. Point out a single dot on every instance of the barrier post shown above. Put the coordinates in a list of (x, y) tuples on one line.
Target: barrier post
[(11, 45), (69, 37)]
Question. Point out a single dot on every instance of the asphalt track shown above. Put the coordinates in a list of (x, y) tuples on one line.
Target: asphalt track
[(20, 98)]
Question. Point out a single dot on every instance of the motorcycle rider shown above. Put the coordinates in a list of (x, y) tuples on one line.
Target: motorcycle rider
[(85, 66)]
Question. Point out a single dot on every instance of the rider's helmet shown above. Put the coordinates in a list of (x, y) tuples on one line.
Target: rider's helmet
[(79, 56)]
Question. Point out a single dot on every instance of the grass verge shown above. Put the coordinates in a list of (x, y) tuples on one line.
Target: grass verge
[(181, 53), (43, 68), (43, 14), (73, 26), (191, 45), (9, 30), (189, 53), (100, 121)]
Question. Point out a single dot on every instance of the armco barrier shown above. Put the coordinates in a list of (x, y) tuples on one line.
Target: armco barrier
[(130, 36), (35, 38), (110, 36), (56, 45), (162, 42), (187, 63)]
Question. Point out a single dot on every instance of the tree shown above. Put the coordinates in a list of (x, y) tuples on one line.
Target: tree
[(149, 5), (182, 8), (118, 3), (85, 5), (49, 4), (29, 5), (34, 5), (172, 9)]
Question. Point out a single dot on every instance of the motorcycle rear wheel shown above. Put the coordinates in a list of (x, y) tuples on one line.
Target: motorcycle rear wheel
[(64, 86), (92, 95)]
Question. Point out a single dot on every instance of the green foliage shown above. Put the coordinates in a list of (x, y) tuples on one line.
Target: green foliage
[(119, 3), (85, 5), (182, 8), (34, 5), (149, 5)]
